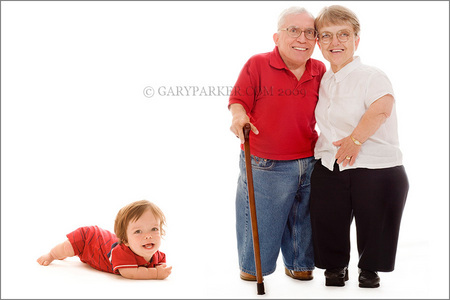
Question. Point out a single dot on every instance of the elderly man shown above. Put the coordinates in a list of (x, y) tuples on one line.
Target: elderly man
[(276, 93)]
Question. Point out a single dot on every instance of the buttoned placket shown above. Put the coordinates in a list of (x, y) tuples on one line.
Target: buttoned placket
[(331, 92), (298, 82)]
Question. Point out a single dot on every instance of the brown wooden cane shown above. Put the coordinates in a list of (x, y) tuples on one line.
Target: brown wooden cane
[(251, 198)]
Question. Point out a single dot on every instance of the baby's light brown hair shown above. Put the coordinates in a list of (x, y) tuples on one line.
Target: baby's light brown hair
[(132, 212)]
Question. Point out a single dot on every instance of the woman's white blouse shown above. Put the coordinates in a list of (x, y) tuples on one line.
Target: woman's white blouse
[(344, 97)]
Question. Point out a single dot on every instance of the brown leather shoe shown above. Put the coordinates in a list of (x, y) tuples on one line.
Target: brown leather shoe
[(247, 277), (300, 275)]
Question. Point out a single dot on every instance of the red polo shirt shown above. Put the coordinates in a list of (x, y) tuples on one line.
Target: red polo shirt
[(279, 105)]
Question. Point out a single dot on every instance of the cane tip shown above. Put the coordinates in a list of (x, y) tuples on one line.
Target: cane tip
[(260, 287)]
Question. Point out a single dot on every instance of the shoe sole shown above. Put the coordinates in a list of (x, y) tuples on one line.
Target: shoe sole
[(335, 282), (247, 278), (369, 285)]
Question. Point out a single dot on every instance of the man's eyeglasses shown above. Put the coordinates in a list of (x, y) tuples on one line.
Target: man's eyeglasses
[(342, 35), (295, 32)]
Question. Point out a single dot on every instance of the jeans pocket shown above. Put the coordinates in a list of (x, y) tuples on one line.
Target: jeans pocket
[(262, 163)]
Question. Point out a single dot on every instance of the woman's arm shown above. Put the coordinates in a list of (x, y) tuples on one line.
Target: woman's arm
[(159, 272), (375, 116)]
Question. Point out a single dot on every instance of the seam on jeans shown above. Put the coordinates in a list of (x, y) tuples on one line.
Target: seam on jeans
[(295, 238), (300, 169), (246, 212), (303, 165), (308, 166), (295, 233), (243, 178)]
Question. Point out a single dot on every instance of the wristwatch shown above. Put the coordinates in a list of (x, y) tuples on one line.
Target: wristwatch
[(356, 141)]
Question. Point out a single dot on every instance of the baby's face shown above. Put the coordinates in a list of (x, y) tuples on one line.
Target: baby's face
[(144, 235)]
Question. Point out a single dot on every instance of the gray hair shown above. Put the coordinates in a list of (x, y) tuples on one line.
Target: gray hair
[(337, 14), (294, 10)]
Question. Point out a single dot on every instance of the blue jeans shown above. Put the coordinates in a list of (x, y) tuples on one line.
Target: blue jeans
[(282, 192)]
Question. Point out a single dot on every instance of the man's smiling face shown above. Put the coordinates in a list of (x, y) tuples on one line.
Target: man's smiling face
[(295, 51)]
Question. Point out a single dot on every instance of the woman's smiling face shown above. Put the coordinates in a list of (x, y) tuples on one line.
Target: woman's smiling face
[(338, 53)]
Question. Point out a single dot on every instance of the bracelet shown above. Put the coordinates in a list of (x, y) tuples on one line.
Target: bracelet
[(356, 141)]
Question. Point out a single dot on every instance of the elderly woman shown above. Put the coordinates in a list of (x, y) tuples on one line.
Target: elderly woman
[(359, 173)]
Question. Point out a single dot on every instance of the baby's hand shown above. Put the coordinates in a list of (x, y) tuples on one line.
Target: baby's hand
[(163, 271)]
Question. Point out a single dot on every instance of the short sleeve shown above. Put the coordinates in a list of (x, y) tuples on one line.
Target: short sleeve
[(378, 86), (157, 259), (239, 93), (121, 258)]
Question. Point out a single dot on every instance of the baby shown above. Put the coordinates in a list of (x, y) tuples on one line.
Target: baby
[(131, 252)]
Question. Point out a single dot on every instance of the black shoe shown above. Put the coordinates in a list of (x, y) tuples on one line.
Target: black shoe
[(368, 279), (336, 277)]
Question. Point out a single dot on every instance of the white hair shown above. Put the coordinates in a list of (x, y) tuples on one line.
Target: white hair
[(294, 10)]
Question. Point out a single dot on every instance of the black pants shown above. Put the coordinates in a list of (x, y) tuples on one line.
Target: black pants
[(374, 197)]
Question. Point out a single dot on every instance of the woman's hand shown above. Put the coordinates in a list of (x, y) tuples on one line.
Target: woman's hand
[(376, 114), (348, 151)]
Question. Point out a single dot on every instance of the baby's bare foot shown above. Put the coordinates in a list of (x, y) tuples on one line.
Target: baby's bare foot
[(45, 260)]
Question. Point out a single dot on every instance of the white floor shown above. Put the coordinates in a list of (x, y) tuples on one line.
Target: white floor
[(213, 277)]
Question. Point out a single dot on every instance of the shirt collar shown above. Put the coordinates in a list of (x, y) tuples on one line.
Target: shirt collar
[(277, 62), (139, 259), (342, 73)]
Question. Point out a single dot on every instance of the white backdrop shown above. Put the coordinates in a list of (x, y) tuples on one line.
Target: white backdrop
[(80, 138)]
